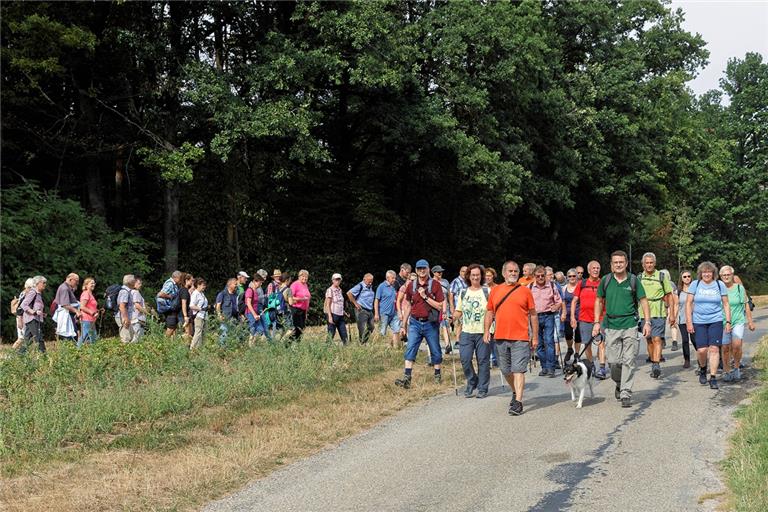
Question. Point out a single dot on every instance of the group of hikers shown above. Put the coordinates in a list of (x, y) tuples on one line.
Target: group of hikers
[(505, 325)]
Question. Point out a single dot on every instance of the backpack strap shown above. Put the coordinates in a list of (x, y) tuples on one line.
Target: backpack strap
[(486, 292)]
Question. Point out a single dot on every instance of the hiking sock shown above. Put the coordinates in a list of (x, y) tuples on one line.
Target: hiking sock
[(408, 372), (437, 371)]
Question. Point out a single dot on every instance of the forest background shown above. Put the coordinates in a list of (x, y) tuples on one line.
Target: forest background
[(141, 137)]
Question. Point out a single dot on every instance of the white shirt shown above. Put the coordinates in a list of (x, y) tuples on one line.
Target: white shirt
[(198, 300)]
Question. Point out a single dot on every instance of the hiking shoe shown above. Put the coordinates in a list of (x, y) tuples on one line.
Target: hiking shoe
[(664, 344), (468, 392), (617, 393), (674, 345), (655, 371), (626, 402), (687, 363), (601, 373), (713, 383), (482, 394), (702, 377), (728, 377), (404, 382), (543, 373), (736, 374), (557, 366), (552, 373), (663, 359), (516, 409), (438, 378)]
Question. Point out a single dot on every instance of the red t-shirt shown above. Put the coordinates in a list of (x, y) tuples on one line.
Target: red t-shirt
[(587, 296), (419, 307)]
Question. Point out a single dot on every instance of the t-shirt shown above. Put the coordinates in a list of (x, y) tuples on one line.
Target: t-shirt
[(65, 296), (137, 316), (656, 286), (683, 300), (587, 295), (90, 303), (300, 290), (252, 294), (363, 295), (337, 300), (620, 307), (568, 299), (525, 281), (124, 297), (512, 316), (457, 285), (184, 295), (707, 301), (169, 288), (473, 307), (737, 300), (419, 307), (545, 297), (386, 294), (199, 300)]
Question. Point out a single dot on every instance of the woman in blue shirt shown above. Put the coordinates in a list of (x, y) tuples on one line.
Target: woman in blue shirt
[(705, 307)]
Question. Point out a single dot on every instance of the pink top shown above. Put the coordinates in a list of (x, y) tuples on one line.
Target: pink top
[(90, 303), (545, 297), (300, 290)]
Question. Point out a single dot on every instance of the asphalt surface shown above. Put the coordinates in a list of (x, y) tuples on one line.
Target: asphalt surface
[(457, 454)]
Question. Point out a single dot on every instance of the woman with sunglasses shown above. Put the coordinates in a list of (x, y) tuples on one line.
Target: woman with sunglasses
[(705, 307), (565, 318), (682, 300), (741, 317)]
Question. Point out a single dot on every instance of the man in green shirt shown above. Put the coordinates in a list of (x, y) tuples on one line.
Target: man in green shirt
[(658, 291), (621, 293)]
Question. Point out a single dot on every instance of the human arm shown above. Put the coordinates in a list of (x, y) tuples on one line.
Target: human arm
[(727, 311), (672, 306), (574, 320), (533, 320), (376, 310), (490, 315), (405, 311), (351, 297), (748, 312), (249, 305), (689, 314), (125, 316), (647, 315), (327, 309), (598, 313)]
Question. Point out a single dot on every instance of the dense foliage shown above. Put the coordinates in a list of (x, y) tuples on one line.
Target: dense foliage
[(352, 136)]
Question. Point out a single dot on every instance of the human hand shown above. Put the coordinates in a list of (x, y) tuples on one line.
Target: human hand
[(646, 329), (751, 326), (690, 329), (596, 330)]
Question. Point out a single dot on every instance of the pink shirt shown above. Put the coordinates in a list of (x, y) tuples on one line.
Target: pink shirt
[(300, 290), (90, 303), (545, 297)]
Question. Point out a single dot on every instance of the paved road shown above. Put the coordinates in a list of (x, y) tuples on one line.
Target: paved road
[(457, 454)]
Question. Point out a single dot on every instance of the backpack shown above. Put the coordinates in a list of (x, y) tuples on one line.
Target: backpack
[(110, 297), (605, 280), (54, 306), (16, 306), (748, 298), (168, 305)]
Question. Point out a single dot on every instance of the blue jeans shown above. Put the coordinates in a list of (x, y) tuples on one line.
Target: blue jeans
[(256, 327), (340, 325), (87, 332), (546, 349), (469, 346), (418, 330), (224, 327)]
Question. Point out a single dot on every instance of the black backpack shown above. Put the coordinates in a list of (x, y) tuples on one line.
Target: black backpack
[(110, 297)]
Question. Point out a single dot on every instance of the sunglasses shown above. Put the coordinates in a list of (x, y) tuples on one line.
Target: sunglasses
[(572, 275), (686, 277)]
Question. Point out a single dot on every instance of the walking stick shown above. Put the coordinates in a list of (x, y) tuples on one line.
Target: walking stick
[(455, 384)]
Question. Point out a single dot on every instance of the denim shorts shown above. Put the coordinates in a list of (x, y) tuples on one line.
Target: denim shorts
[(709, 335), (392, 321)]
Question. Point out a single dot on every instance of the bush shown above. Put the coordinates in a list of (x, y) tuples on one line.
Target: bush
[(43, 234)]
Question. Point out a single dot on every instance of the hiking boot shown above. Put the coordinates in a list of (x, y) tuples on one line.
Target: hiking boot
[(601, 373), (687, 363), (626, 402), (703, 376), (617, 392), (516, 409), (543, 373), (438, 378), (674, 345), (655, 371), (664, 344), (482, 394), (469, 391), (728, 377), (404, 382), (736, 375), (713, 383), (552, 372)]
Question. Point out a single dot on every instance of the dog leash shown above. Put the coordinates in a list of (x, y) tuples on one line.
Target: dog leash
[(596, 338)]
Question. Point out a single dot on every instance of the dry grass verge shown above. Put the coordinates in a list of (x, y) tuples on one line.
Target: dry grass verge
[(217, 459)]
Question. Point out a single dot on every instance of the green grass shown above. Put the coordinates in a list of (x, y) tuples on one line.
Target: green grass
[(146, 396), (746, 467)]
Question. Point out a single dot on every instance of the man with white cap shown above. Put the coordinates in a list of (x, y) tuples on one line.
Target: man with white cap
[(334, 309), (422, 305)]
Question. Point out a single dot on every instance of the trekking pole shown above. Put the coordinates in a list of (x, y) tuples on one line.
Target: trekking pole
[(455, 384)]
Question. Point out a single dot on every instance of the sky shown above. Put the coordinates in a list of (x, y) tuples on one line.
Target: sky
[(731, 28)]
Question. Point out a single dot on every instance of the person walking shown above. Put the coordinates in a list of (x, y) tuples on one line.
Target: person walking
[(242, 284), (548, 304), (445, 332), (68, 308), (583, 315), (741, 317), (527, 277), (19, 313), (570, 333), (254, 309), (490, 283), (125, 308), (620, 293), (682, 299), (167, 300), (33, 314), (384, 310), (228, 309), (89, 309), (199, 304), (300, 297), (404, 275), (185, 297), (458, 285), (334, 310), (362, 296), (421, 316), (139, 311), (512, 308), (472, 302), (658, 291), (705, 307)]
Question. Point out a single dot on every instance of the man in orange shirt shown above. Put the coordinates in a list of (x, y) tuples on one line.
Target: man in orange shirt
[(512, 307)]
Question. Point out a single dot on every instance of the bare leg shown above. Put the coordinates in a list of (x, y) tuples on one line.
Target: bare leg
[(736, 349), (714, 360), (519, 384), (726, 359)]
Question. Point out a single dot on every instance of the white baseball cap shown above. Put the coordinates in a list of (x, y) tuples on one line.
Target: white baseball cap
[(335, 276), (243, 274)]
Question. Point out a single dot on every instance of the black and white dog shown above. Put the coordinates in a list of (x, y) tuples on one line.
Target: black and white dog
[(578, 376)]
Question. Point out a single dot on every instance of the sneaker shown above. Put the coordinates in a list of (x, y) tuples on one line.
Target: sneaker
[(516, 409), (495, 364), (687, 363), (713, 383), (656, 371), (728, 377), (552, 373), (664, 344), (469, 391), (482, 394), (617, 393), (438, 378), (601, 373), (663, 359), (702, 376), (557, 366), (543, 373), (736, 374), (626, 402), (674, 345), (404, 382)]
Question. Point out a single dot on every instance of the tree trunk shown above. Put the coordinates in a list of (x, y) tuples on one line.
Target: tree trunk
[(95, 190), (171, 253)]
